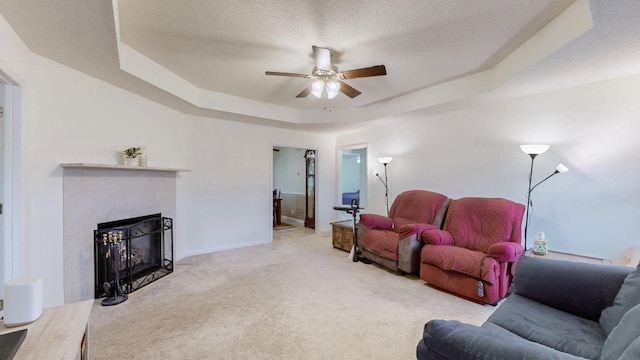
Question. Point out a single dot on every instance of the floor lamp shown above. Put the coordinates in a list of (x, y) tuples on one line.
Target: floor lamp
[(384, 161), (533, 151)]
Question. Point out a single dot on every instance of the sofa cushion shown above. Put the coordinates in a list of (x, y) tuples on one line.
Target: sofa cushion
[(455, 340), (578, 288), (550, 327), (622, 335), (627, 297), (415, 207), (477, 223)]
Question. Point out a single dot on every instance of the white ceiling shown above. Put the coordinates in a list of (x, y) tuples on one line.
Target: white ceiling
[(209, 57)]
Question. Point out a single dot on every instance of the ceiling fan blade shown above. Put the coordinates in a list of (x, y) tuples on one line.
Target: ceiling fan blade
[(349, 90), (377, 70), (323, 58), (285, 74), (304, 92)]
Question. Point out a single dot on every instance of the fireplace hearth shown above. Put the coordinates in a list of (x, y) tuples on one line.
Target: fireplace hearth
[(131, 253)]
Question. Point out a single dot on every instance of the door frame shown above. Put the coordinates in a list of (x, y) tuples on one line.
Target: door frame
[(12, 261), (364, 168)]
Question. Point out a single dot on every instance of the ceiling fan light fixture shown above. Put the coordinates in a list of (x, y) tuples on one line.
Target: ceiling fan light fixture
[(333, 87), (316, 88), (326, 75)]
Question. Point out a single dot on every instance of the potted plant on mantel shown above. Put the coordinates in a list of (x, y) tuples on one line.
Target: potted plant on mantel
[(131, 156)]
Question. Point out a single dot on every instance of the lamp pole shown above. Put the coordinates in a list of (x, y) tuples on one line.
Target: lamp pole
[(559, 169), (384, 161), (526, 223), (386, 188)]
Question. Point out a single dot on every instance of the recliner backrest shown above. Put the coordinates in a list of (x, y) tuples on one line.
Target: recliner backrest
[(477, 223), (416, 206)]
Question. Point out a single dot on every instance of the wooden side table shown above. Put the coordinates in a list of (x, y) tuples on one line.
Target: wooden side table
[(342, 234)]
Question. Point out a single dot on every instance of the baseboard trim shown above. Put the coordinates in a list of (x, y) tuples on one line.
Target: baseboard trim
[(222, 248)]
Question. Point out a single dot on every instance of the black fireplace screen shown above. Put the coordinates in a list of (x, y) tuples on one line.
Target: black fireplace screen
[(144, 251)]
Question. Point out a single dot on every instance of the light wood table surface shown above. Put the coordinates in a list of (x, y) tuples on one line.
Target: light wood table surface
[(59, 333)]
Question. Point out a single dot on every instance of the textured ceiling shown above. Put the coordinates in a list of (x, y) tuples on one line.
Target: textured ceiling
[(224, 47)]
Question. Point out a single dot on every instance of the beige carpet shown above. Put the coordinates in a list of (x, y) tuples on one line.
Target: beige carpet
[(282, 225), (289, 299)]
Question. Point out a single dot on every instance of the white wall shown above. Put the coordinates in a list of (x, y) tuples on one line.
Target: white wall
[(289, 171), (70, 117), (5, 261), (350, 173), (592, 210)]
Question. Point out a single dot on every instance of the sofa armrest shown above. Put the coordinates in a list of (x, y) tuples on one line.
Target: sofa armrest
[(456, 340), (505, 251), (577, 288), (437, 237), (414, 229), (376, 222)]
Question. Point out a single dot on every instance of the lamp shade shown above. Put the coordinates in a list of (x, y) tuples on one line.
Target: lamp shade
[(332, 89), (561, 168), (534, 149), (316, 88), (385, 159)]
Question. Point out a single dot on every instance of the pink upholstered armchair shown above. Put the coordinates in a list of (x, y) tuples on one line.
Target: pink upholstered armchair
[(394, 241), (480, 241)]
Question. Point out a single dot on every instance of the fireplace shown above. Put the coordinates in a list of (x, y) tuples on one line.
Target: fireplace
[(131, 253)]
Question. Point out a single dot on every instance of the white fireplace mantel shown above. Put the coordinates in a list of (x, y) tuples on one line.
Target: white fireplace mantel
[(98, 193), (119, 167)]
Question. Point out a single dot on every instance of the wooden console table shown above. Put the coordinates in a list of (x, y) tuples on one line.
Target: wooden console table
[(353, 210), (342, 234), (59, 333)]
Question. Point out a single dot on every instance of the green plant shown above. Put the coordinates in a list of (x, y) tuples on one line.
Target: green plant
[(132, 152)]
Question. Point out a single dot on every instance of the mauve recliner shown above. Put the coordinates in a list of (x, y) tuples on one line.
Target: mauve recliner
[(479, 242), (394, 241)]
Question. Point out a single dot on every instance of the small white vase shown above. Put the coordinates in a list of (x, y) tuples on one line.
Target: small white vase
[(131, 161)]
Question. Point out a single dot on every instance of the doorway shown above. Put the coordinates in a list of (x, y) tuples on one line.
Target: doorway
[(10, 251), (294, 185), (353, 175)]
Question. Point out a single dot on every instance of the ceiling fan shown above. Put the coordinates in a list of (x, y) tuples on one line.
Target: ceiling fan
[(328, 78)]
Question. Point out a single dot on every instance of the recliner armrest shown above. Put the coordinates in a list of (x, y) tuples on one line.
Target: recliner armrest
[(376, 222), (505, 251), (437, 237), (414, 229), (577, 288)]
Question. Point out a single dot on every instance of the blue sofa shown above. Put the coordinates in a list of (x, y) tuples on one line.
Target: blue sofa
[(557, 310)]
